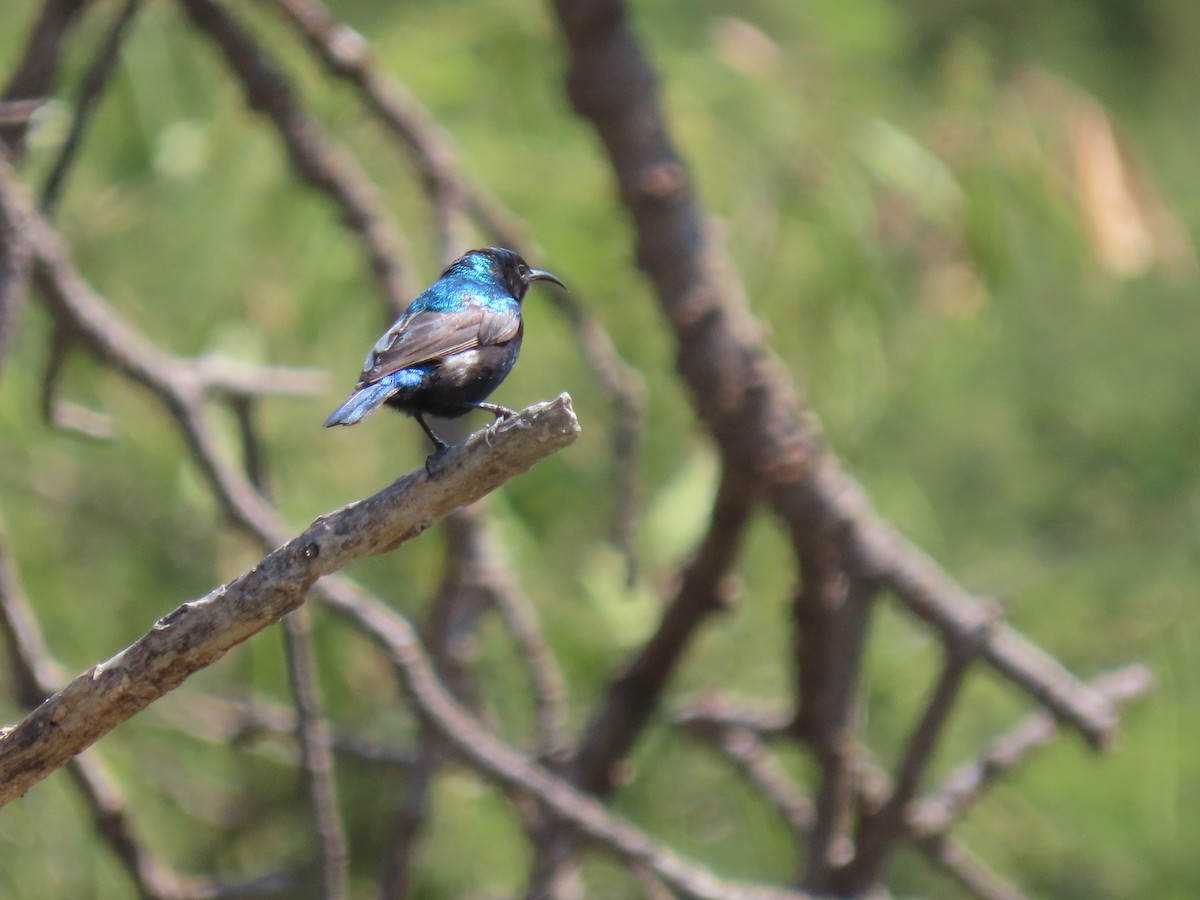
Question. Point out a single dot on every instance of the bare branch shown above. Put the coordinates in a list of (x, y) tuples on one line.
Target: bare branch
[(240, 380), (739, 386), (34, 672), (35, 676), (91, 88), (873, 547), (549, 687), (747, 751), (199, 633), (626, 390), (963, 787), (316, 753), (15, 269), (82, 315), (482, 568), (345, 54), (18, 111), (880, 830), (717, 711), (447, 638), (970, 872), (318, 160), (499, 763), (250, 722), (635, 693), (34, 76), (831, 615)]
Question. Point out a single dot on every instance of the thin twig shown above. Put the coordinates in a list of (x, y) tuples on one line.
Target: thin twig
[(746, 749), (312, 727), (716, 711), (180, 384), (87, 99), (15, 269), (316, 753), (252, 722), (626, 390), (741, 735), (831, 616), (880, 830), (447, 639), (18, 111), (346, 54), (63, 414), (317, 159), (34, 76), (636, 691), (964, 786), (970, 872), (494, 578), (499, 763)]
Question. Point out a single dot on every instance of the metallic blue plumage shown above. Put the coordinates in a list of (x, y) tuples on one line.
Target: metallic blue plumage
[(453, 345)]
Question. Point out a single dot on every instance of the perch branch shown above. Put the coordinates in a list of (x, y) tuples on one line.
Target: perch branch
[(35, 675), (345, 54), (200, 632)]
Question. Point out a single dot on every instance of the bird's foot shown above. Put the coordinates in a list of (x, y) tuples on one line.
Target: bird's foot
[(500, 412)]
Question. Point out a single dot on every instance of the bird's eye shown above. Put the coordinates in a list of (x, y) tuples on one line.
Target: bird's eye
[(522, 269)]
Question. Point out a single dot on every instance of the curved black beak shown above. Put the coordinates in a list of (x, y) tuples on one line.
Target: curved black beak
[(542, 275)]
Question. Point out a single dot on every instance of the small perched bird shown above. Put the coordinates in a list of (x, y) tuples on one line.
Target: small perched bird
[(453, 345)]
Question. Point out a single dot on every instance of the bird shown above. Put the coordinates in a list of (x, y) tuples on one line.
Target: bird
[(451, 347)]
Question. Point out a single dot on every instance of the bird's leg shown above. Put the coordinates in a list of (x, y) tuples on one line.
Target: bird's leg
[(439, 445), (500, 412)]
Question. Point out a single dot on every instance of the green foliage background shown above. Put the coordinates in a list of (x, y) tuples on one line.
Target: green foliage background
[(894, 182)]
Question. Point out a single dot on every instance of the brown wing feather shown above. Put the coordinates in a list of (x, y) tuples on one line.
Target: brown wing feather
[(428, 336)]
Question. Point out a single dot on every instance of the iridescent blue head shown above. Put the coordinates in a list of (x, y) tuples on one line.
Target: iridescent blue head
[(503, 266)]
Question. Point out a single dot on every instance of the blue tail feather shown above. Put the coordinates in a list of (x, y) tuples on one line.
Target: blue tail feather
[(361, 403)]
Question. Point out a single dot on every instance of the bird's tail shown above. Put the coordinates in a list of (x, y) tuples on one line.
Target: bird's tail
[(361, 402)]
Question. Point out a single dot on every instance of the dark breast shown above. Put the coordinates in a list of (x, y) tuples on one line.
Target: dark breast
[(469, 376)]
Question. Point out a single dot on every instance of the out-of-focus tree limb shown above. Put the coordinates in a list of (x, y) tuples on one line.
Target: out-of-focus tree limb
[(740, 387), (33, 78), (320, 161)]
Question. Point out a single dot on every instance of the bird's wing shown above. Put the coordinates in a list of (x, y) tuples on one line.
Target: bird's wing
[(427, 335)]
